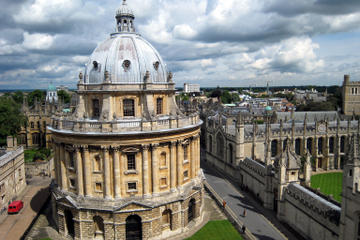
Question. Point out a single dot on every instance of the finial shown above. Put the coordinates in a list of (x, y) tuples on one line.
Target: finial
[(124, 2)]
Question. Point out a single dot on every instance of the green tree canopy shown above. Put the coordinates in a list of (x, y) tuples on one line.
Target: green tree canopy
[(36, 94), (11, 117), (18, 97), (65, 96)]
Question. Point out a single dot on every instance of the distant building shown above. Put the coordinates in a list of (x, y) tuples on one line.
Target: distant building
[(351, 96), (191, 88), (51, 94), (12, 172)]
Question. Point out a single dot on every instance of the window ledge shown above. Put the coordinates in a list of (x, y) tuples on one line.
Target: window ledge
[(164, 167), (128, 172), (132, 191), (163, 186)]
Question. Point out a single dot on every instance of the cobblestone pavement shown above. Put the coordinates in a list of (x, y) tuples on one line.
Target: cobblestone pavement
[(34, 197)]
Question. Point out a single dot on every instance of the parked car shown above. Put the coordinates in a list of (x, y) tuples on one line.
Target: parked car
[(15, 206)]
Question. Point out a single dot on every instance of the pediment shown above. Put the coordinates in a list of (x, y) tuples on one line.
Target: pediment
[(133, 206)]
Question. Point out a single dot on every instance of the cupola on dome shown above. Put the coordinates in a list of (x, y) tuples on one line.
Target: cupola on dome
[(125, 57)]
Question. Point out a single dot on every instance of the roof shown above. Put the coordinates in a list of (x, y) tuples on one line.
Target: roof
[(311, 116), (51, 88)]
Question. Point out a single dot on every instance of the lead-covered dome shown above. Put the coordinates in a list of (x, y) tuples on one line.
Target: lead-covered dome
[(126, 57)]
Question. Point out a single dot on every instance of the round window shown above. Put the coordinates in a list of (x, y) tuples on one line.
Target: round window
[(126, 65)]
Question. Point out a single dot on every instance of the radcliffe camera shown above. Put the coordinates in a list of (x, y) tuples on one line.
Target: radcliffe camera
[(171, 120)]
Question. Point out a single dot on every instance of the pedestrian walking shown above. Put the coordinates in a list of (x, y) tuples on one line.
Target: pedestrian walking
[(224, 204), (244, 213), (243, 229)]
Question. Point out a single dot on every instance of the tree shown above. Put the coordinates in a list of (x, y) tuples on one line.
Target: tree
[(235, 97), (18, 97), (11, 117), (226, 97), (36, 94), (65, 96)]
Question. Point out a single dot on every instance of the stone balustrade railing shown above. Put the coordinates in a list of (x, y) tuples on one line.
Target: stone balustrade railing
[(118, 126)]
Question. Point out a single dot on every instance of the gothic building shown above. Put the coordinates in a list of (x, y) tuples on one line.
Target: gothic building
[(127, 160), (275, 161), (351, 96)]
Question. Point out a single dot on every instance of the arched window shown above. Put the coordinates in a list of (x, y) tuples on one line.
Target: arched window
[(35, 138), (320, 145), (309, 144), (133, 227), (191, 210), (342, 144), (97, 163), (230, 153), (99, 229), (274, 147), (284, 144), (69, 223), (163, 159), (297, 146), (210, 144), (220, 145), (166, 219), (331, 144)]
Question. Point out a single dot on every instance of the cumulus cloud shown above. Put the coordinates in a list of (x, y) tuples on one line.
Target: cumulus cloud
[(37, 41), (212, 42)]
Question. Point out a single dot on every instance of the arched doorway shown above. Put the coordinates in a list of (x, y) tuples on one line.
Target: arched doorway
[(167, 219), (133, 228), (99, 229), (191, 210), (69, 223)]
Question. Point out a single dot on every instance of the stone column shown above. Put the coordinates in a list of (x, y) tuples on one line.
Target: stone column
[(106, 172), (145, 170), (116, 164), (155, 168), (87, 170), (79, 171), (179, 163), (63, 168), (172, 166), (197, 154), (193, 157)]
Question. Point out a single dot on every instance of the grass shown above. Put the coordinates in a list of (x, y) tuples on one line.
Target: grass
[(217, 230), (329, 183)]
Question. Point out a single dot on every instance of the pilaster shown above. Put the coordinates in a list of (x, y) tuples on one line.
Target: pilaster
[(79, 171), (155, 168), (106, 172), (172, 165), (116, 164)]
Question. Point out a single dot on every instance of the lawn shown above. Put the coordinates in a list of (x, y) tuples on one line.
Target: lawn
[(217, 230), (329, 183)]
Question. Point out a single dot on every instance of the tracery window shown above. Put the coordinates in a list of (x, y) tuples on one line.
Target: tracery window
[(274, 144), (331, 144), (220, 145), (342, 144), (230, 153), (320, 145), (129, 107)]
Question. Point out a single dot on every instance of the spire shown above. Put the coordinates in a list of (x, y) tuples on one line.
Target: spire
[(125, 19)]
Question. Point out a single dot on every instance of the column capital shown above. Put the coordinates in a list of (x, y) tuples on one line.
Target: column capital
[(85, 147), (115, 148), (77, 148), (155, 145), (145, 146), (105, 148)]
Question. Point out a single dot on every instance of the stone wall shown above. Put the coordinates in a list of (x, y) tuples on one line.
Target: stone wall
[(39, 168), (309, 214), (252, 177)]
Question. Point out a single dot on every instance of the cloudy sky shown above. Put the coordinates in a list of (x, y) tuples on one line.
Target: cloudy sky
[(211, 42)]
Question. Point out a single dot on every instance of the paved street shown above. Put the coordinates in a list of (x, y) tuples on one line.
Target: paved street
[(34, 196), (254, 220)]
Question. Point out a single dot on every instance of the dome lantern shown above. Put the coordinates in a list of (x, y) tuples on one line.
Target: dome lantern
[(125, 19)]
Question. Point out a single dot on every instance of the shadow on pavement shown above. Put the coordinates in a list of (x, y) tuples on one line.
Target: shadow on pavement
[(39, 199)]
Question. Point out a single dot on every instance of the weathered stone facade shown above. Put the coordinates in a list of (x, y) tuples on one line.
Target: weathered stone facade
[(128, 160), (12, 173), (279, 174), (351, 96)]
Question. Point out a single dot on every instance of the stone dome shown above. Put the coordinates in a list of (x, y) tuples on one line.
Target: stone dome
[(124, 10)]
